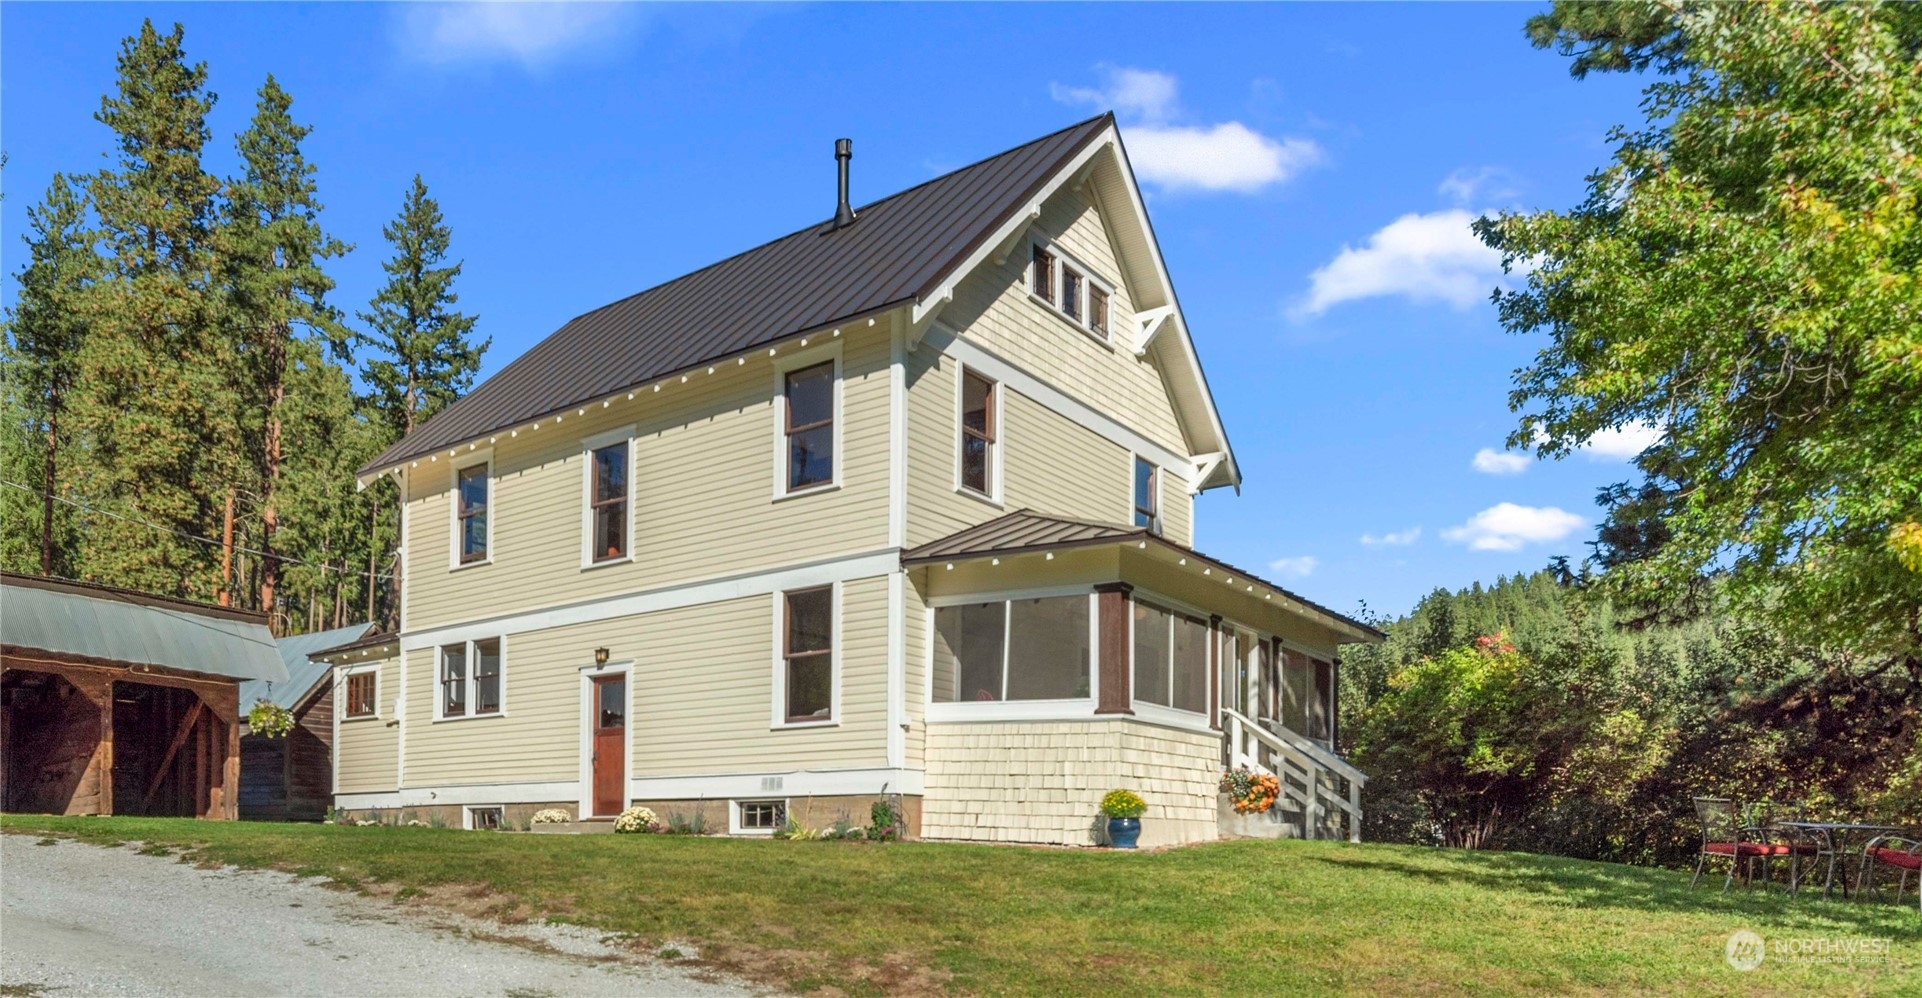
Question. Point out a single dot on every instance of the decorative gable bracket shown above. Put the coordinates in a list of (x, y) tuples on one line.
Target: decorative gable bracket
[(1151, 322), (1204, 466)]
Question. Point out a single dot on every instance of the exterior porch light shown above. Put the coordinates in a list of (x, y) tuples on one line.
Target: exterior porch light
[(1051, 556), (600, 656), (950, 566), (994, 561), (630, 396)]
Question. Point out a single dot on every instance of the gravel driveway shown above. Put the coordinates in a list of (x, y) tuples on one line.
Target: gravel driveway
[(87, 920)]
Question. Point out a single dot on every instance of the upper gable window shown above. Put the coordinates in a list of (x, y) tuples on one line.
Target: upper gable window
[(1071, 289), (1041, 275)]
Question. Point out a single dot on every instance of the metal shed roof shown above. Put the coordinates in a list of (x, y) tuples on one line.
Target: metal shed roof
[(84, 620), (1026, 531), (302, 672), (896, 251)]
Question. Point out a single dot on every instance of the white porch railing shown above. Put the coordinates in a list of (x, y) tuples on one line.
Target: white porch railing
[(1293, 760)]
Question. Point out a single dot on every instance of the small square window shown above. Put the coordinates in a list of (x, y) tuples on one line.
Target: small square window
[(484, 819), (762, 815)]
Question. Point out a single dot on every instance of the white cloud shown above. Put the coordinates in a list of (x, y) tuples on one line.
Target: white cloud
[(1296, 567), (1508, 527), (1227, 156), (1433, 257), (1393, 538), (1490, 183), (1622, 443), (1490, 461), (529, 33)]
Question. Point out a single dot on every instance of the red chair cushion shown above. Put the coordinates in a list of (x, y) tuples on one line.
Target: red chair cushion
[(1897, 857), (1744, 849)]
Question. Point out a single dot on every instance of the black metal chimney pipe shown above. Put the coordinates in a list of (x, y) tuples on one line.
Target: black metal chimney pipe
[(843, 151)]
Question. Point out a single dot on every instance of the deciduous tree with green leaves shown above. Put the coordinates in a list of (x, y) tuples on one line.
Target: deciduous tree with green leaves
[(1745, 275)]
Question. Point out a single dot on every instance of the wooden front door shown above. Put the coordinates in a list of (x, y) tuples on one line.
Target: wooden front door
[(610, 744)]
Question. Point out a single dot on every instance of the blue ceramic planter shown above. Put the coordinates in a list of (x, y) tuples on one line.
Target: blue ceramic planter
[(1123, 833)]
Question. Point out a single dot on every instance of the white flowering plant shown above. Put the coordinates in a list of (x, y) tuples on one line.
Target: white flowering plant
[(552, 816), (635, 820), (270, 719)]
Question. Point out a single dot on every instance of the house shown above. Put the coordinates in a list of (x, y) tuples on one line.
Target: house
[(291, 777), (120, 702), (901, 503)]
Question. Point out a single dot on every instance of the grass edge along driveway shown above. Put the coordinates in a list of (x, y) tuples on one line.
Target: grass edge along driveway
[(1229, 917)]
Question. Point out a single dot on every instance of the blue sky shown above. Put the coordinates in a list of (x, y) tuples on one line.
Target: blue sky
[(1310, 170)]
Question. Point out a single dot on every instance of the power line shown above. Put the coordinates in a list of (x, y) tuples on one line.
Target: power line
[(384, 577)]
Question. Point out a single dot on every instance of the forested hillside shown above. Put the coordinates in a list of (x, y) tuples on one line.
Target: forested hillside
[(185, 404)]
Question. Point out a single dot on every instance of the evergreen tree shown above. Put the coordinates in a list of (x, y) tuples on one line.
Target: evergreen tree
[(151, 387), (45, 331), (272, 249), (424, 357)]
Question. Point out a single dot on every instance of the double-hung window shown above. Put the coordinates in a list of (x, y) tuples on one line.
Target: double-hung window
[(1170, 658), (978, 403), (1022, 649), (607, 502), (809, 429), (470, 496), (1147, 495), (470, 678), (807, 655), (362, 693)]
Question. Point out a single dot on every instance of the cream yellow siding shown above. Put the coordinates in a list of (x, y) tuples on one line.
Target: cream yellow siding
[(1177, 508), (367, 749), (1042, 781), (992, 308), (701, 697), (704, 492), (915, 673)]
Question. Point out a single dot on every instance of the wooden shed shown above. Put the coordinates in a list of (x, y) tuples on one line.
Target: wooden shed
[(291, 778), (120, 702)]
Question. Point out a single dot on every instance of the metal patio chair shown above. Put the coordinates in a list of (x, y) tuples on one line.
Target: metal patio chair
[(1795, 843), (1901, 852), (1725, 837)]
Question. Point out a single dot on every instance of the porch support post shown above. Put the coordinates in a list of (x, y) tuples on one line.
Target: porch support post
[(1117, 691), (1214, 669)]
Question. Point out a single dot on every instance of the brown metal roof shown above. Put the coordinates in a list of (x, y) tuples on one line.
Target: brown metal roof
[(1025, 531), (898, 249)]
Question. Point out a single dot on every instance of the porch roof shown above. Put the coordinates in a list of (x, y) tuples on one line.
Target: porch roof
[(1025, 531)]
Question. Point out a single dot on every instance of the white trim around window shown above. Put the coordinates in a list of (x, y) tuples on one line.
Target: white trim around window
[(589, 673), (470, 681), (341, 687), (1063, 262), (804, 358), (734, 822), (996, 434), (777, 709), (589, 445), (481, 456)]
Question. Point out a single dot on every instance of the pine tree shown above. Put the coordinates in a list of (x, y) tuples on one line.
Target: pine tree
[(272, 249), (152, 389), (45, 332), (425, 357)]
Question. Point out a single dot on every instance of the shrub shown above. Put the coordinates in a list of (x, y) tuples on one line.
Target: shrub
[(1250, 793), (635, 820), (1123, 804), (884, 821), (552, 816)]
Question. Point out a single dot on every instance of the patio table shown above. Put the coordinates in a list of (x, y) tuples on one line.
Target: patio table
[(1833, 835)]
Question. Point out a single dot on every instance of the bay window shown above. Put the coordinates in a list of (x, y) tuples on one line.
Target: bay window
[(1008, 650)]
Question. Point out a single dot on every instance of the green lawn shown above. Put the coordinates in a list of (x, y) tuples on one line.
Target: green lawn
[(1239, 917)]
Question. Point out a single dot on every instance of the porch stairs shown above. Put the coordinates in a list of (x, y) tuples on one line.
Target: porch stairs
[(1320, 791)]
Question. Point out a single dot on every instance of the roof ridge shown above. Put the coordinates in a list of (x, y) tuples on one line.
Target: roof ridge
[(804, 230)]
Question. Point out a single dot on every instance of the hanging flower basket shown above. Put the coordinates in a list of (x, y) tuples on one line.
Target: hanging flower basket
[(270, 719)]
